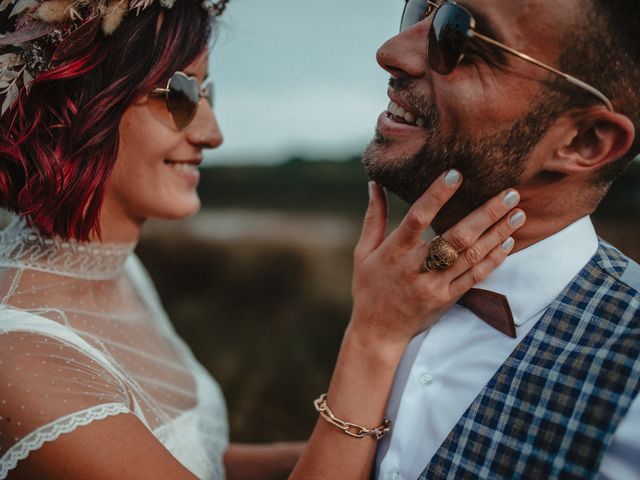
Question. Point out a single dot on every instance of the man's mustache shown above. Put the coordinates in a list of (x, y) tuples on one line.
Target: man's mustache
[(424, 106)]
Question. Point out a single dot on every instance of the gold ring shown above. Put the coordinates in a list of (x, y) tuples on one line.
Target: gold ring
[(441, 255)]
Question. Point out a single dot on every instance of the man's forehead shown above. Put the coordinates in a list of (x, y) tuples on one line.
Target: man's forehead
[(522, 20)]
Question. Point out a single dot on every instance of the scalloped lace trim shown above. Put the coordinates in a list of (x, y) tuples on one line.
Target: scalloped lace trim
[(53, 430)]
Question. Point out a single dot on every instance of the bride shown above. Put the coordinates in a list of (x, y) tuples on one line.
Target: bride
[(105, 113)]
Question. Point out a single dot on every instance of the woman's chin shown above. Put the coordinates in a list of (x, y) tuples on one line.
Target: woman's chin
[(180, 210)]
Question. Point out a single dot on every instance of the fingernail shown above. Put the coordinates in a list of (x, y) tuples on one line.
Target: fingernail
[(511, 198), (517, 219), (452, 177), (508, 244), (370, 185)]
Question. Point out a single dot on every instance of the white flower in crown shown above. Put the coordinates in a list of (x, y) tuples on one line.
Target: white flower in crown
[(39, 26)]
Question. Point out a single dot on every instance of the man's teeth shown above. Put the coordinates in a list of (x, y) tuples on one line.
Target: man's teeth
[(409, 117), (183, 166)]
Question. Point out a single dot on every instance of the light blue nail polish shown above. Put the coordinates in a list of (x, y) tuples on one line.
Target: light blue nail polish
[(511, 198), (452, 177), (508, 244), (517, 219)]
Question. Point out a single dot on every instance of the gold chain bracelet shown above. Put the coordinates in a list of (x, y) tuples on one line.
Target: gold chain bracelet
[(351, 429)]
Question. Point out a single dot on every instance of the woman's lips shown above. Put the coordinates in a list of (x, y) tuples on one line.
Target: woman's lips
[(186, 169)]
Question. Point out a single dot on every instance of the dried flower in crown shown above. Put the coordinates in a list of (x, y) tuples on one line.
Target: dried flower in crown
[(35, 32)]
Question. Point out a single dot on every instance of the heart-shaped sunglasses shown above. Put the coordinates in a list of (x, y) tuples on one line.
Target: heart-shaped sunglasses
[(182, 96)]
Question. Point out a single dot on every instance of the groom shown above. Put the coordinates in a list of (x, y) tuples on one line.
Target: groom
[(561, 399)]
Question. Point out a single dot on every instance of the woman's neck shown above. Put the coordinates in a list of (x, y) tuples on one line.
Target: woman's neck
[(116, 226)]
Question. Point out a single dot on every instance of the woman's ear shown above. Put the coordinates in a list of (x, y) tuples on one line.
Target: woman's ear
[(589, 140)]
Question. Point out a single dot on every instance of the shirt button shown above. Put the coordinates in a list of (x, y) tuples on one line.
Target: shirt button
[(426, 379), (393, 475)]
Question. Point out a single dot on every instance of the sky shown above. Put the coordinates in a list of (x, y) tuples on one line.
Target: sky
[(299, 78)]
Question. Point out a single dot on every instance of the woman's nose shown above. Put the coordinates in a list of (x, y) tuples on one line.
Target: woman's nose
[(204, 130)]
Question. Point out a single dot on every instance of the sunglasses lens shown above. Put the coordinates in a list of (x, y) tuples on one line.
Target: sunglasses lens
[(448, 37), (183, 99), (414, 12)]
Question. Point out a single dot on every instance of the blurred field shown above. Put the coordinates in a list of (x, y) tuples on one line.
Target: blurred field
[(259, 286)]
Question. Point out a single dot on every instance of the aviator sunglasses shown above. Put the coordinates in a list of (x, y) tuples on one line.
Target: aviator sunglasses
[(452, 27), (182, 96)]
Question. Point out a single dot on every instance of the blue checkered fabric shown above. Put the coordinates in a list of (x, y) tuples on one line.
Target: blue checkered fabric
[(552, 408)]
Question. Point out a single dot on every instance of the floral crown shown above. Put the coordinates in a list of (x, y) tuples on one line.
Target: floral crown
[(40, 32)]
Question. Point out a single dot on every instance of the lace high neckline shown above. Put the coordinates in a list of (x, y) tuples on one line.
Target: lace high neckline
[(21, 246)]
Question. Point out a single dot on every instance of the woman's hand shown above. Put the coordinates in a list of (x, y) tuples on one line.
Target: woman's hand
[(394, 299)]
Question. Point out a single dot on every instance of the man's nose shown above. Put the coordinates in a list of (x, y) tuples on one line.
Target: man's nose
[(406, 53)]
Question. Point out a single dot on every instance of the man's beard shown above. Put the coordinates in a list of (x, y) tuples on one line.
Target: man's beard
[(489, 164)]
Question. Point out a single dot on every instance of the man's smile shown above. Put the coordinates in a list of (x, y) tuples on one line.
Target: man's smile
[(402, 111), (400, 115)]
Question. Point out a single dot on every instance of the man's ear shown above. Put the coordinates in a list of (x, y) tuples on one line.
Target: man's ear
[(589, 140)]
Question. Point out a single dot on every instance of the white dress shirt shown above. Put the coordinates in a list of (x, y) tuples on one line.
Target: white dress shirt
[(445, 368)]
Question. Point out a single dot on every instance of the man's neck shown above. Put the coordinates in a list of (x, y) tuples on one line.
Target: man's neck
[(539, 227)]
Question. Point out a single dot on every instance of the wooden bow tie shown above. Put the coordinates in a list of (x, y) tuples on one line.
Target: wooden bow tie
[(491, 307)]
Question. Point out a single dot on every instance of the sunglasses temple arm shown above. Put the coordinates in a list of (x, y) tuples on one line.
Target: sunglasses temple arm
[(569, 78), (167, 90)]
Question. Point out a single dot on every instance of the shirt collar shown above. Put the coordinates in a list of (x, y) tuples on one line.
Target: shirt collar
[(533, 277)]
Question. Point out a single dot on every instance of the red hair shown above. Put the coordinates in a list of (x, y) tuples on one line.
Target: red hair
[(60, 139)]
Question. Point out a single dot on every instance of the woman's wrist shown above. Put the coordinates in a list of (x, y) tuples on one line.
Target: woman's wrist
[(364, 335), (364, 365)]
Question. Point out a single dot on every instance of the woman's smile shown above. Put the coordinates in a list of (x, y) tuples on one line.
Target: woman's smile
[(187, 169)]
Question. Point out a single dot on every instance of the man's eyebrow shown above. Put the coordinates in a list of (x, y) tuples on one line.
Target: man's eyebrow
[(484, 24)]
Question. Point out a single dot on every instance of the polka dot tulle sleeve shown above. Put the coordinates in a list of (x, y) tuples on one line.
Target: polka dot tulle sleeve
[(83, 337), (49, 388)]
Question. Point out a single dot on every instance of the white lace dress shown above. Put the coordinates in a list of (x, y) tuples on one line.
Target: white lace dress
[(83, 336)]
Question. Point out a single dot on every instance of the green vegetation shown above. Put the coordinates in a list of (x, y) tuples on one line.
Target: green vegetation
[(340, 188), (332, 187)]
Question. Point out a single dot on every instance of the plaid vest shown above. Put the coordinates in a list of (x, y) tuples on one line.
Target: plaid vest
[(551, 409)]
